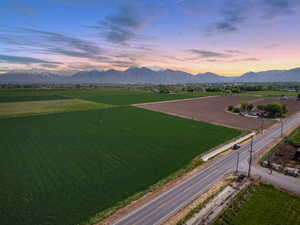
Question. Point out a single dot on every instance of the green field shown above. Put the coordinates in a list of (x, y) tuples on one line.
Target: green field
[(272, 93), (107, 96), (262, 205), (12, 109), (30, 98), (63, 168), (135, 98), (204, 94)]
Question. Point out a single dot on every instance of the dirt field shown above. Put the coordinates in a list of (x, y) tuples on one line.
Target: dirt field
[(285, 155), (213, 110)]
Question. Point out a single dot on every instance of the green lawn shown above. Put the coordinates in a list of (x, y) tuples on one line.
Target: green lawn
[(13, 109), (61, 169), (262, 205)]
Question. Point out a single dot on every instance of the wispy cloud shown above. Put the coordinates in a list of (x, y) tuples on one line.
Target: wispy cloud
[(123, 25), (234, 51), (50, 42), (49, 66), (250, 59), (274, 8), (24, 60), (209, 54), (233, 13)]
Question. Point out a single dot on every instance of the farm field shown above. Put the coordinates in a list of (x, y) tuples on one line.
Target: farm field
[(106, 96), (135, 98), (66, 92), (12, 109), (31, 98), (213, 110), (272, 93), (64, 168), (263, 205)]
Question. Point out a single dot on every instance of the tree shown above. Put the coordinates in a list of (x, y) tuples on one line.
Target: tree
[(244, 105), (163, 89), (230, 108), (261, 107), (250, 107), (275, 109), (284, 108)]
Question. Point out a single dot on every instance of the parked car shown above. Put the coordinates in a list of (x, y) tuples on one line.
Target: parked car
[(236, 147)]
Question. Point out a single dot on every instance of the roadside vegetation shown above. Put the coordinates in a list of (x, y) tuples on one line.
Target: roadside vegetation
[(295, 136), (262, 204), (62, 169)]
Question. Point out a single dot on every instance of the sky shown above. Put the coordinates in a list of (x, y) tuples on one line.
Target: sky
[(227, 37)]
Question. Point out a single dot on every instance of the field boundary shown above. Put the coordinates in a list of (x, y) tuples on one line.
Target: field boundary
[(176, 100)]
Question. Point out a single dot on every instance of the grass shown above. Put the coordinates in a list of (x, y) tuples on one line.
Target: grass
[(74, 93), (62, 169), (13, 109), (204, 94), (135, 98), (272, 93), (106, 96), (263, 205), (295, 136), (31, 98)]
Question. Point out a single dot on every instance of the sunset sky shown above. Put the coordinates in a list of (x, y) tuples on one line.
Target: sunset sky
[(228, 37)]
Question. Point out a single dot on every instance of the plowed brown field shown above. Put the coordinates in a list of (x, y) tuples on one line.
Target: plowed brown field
[(213, 110)]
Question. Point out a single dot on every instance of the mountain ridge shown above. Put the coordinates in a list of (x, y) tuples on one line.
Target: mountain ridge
[(144, 75)]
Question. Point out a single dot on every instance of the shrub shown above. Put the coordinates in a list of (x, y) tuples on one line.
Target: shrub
[(236, 110), (230, 108)]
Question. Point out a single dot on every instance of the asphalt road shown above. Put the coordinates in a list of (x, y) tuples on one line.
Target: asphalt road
[(168, 203)]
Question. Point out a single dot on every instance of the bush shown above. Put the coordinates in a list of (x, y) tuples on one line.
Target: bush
[(275, 109), (230, 108), (261, 107), (236, 110)]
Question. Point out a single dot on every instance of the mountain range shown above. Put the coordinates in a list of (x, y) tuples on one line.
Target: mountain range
[(144, 75)]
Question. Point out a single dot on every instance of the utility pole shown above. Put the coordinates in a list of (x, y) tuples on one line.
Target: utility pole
[(281, 129), (237, 162), (262, 125), (250, 159)]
